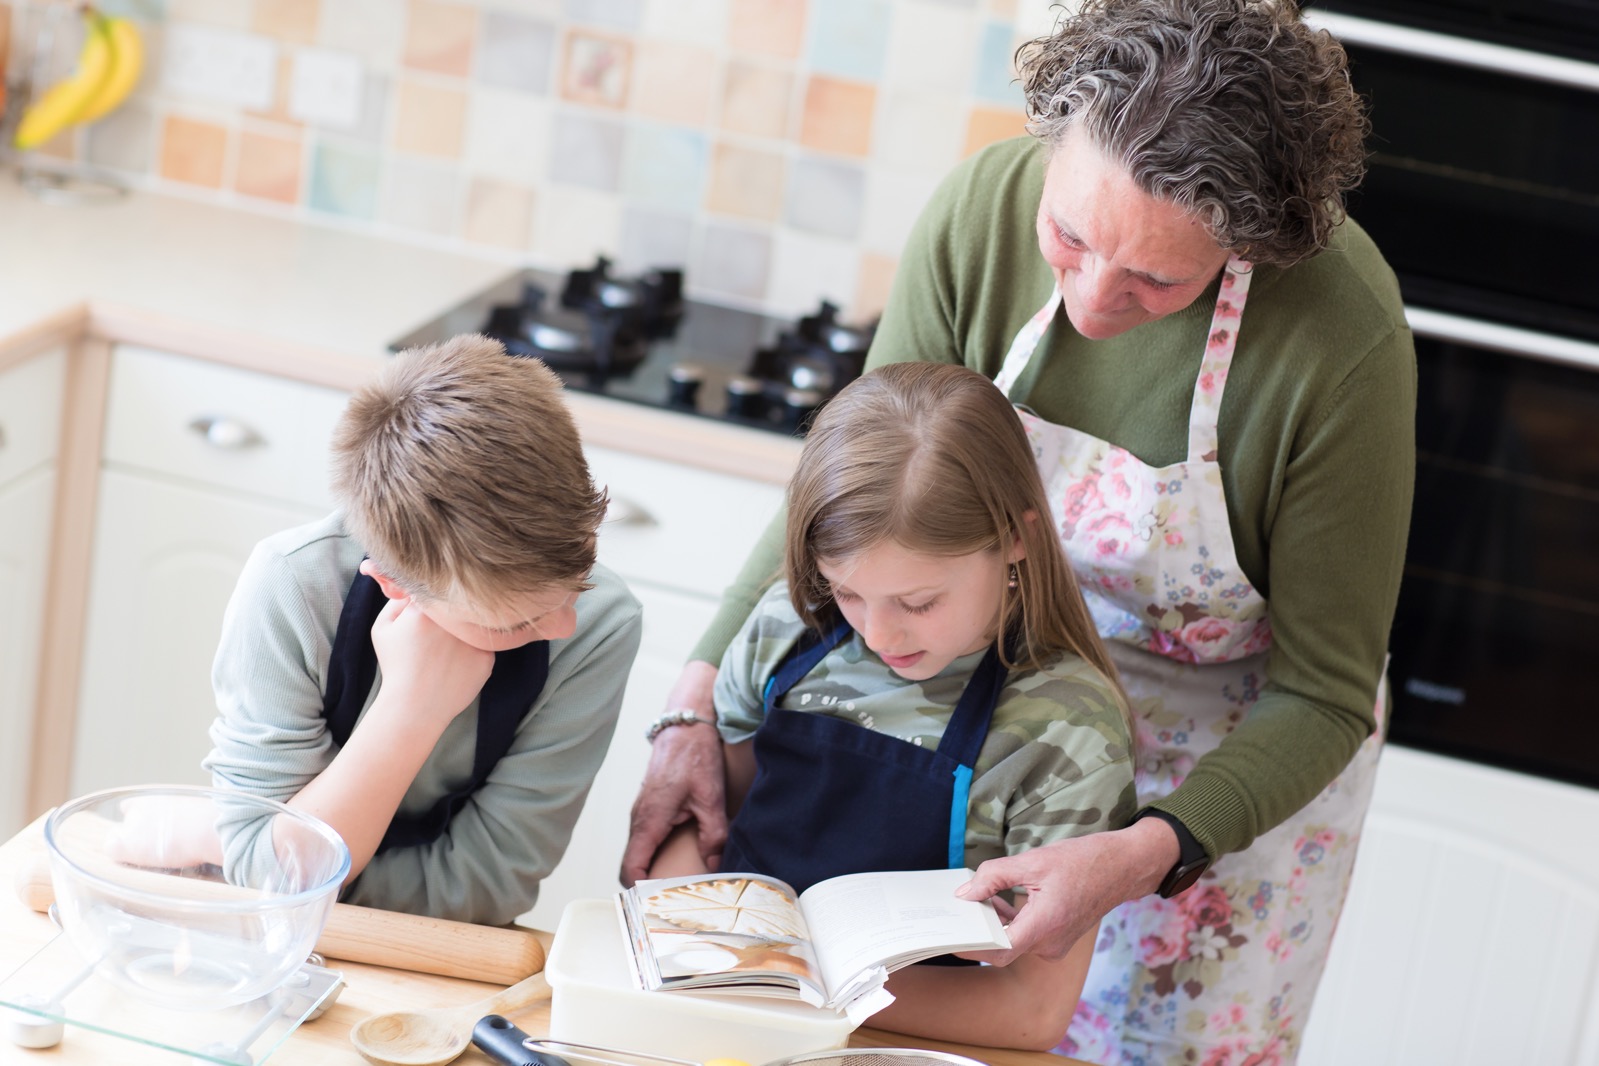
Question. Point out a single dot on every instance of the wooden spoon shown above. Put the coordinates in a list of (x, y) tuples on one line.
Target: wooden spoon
[(439, 1035)]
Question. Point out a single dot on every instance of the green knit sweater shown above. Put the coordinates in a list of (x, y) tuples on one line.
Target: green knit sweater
[(1317, 455)]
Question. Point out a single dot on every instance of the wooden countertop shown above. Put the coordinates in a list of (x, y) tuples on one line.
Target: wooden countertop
[(324, 1042)]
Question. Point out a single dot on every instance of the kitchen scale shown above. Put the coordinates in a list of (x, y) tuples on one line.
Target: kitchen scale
[(58, 986)]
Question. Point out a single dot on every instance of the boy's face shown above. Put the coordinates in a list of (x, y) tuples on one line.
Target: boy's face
[(544, 614)]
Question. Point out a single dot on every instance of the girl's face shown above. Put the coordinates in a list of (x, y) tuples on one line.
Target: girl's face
[(919, 613), (1121, 258)]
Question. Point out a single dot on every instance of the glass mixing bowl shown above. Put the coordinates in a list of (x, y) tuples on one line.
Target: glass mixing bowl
[(192, 898)]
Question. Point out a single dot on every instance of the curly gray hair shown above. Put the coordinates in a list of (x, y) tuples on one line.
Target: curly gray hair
[(1233, 110)]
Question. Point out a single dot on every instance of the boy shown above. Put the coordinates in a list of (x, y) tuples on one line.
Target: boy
[(436, 668)]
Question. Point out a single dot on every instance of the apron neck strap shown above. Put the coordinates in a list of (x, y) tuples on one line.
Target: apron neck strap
[(1220, 342)]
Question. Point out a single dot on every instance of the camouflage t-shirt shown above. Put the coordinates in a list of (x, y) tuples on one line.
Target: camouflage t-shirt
[(1057, 762)]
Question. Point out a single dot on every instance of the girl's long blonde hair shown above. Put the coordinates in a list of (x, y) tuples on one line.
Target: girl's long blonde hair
[(932, 457)]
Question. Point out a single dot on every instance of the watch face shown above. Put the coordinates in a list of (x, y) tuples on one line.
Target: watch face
[(1184, 877)]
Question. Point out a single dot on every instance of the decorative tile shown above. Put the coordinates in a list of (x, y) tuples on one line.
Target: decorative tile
[(618, 14), (268, 168), (421, 196), (850, 38), (327, 88), (193, 152), (838, 116), (516, 52), (746, 182), (439, 36), (430, 119), (895, 197), (986, 125), (344, 180), (499, 214), (702, 22), (373, 124), (933, 49), (149, 10), (575, 226), (995, 79), (769, 27), (653, 239), (282, 91), (757, 100), (596, 69), (807, 269), (825, 197), (124, 139), (291, 21), (664, 166), (372, 29), (1039, 18), (732, 262), (1004, 9), (586, 149), (916, 130), (230, 14), (875, 282), (675, 82), (508, 135)]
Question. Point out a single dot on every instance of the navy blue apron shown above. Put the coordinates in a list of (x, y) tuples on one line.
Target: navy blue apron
[(515, 682), (832, 797)]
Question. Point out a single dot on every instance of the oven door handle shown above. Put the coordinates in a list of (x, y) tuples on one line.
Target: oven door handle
[(1441, 325)]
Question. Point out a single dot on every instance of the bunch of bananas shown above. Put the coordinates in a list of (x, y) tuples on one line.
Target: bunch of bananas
[(108, 68)]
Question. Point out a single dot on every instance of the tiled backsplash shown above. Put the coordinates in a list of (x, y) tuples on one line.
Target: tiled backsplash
[(780, 149)]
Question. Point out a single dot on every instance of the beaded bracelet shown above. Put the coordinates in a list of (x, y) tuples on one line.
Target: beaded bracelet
[(677, 716)]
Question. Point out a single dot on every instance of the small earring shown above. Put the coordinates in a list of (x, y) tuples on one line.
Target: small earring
[(1015, 578)]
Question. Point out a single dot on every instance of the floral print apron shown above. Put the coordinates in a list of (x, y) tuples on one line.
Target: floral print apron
[(1224, 973)]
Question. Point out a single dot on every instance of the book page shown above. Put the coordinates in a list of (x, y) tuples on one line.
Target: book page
[(890, 919)]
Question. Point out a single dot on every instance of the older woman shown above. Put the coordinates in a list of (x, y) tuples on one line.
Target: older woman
[(1224, 417)]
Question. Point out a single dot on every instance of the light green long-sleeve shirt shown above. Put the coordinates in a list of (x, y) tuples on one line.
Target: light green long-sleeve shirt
[(269, 737), (1317, 456)]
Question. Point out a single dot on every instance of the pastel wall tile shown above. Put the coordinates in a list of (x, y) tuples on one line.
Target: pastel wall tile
[(873, 284), (193, 152), (915, 130), (344, 179), (933, 50), (575, 225), (596, 69), (837, 116), (807, 269), (421, 196), (1003, 9), (430, 119), (850, 37), (732, 261), (619, 14), (895, 197), (268, 167), (701, 22), (664, 166), (439, 37), (767, 27), (124, 140), (653, 239), (372, 29), (675, 82), (586, 150), (757, 100), (747, 182), (995, 79), (373, 123), (986, 125), (825, 197), (498, 213), (508, 135), (278, 109), (515, 52), (154, 10), (291, 21), (230, 14)]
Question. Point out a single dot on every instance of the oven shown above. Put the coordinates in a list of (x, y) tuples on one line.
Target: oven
[(1483, 193)]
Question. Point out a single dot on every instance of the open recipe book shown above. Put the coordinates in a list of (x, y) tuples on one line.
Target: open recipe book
[(832, 946)]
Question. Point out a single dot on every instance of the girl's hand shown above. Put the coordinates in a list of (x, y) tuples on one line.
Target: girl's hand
[(426, 672)]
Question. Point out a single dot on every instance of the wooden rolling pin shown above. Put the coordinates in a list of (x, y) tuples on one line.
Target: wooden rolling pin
[(492, 954)]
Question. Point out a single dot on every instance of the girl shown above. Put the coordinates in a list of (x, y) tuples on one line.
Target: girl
[(926, 688)]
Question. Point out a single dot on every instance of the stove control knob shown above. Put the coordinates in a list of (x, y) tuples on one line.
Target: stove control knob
[(745, 398), (683, 384)]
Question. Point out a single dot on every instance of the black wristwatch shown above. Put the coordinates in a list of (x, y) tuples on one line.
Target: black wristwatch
[(1191, 858)]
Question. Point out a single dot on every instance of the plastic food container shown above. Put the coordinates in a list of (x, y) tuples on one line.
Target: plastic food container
[(192, 898), (596, 1002)]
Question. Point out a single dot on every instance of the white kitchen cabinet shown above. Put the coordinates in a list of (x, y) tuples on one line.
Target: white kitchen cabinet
[(30, 429), (200, 462), (1472, 929)]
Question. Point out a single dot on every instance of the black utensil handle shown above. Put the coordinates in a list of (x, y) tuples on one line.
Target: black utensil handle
[(500, 1039)]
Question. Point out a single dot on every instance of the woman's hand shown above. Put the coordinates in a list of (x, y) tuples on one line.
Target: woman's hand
[(1072, 884), (683, 781)]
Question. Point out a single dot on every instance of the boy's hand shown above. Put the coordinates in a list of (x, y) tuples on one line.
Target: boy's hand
[(426, 670)]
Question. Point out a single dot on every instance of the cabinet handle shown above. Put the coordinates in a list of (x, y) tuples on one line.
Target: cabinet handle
[(625, 512), (227, 433)]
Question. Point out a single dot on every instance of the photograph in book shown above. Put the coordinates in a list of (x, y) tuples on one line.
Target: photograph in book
[(829, 946)]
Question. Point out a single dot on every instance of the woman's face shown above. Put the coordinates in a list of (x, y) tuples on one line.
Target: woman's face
[(1120, 257)]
